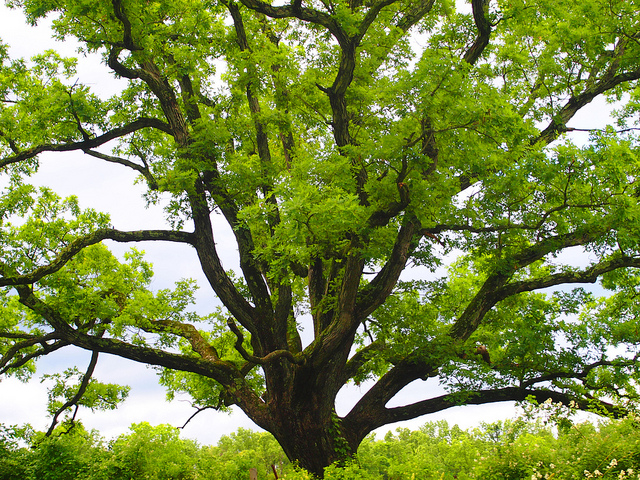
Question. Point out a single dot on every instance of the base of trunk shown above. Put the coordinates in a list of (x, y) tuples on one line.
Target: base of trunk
[(313, 444)]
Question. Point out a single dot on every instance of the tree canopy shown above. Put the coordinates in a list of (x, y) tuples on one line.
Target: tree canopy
[(345, 142)]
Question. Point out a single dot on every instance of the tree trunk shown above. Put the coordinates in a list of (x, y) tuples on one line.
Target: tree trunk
[(311, 436)]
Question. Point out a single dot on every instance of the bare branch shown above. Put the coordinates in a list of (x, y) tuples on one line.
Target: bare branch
[(153, 184), (201, 409)]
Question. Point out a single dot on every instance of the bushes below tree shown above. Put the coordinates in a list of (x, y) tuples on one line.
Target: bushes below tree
[(500, 451)]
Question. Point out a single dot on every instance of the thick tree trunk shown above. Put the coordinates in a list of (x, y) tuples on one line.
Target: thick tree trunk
[(311, 437)]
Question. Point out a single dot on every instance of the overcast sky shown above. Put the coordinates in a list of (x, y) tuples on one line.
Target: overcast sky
[(109, 188)]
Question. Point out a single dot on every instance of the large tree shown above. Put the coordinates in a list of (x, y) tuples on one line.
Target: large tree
[(344, 142)]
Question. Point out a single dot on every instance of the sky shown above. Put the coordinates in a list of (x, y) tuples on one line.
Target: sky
[(110, 188)]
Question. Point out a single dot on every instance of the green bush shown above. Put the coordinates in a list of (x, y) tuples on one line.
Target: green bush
[(511, 450), (152, 453)]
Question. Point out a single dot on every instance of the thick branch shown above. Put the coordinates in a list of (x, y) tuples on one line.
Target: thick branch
[(188, 332), (223, 372), (372, 405), (211, 264), (367, 420), (296, 11), (492, 290), (379, 289), (483, 24)]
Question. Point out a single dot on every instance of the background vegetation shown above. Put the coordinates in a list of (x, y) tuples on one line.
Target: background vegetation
[(514, 449)]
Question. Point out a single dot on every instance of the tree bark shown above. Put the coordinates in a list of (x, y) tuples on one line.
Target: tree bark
[(311, 434)]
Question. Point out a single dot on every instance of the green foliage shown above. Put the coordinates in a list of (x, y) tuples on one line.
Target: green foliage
[(151, 452), (236, 454), (13, 457), (97, 396), (343, 142), (71, 452), (513, 449)]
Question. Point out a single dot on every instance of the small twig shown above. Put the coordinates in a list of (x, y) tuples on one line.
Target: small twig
[(196, 413), (624, 130)]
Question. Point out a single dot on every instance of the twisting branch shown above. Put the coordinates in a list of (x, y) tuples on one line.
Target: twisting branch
[(296, 11), (86, 378), (118, 10), (271, 357), (188, 332), (495, 287)]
